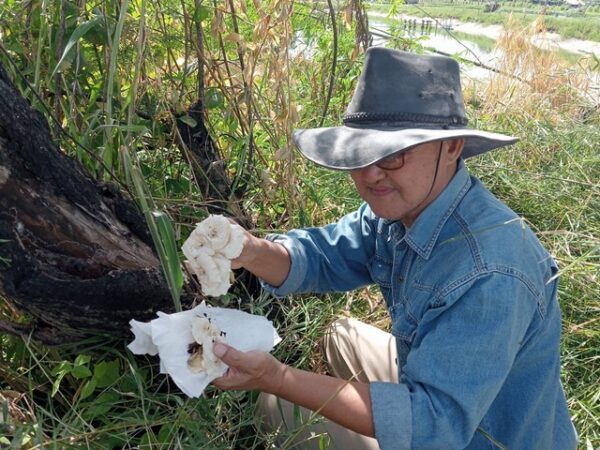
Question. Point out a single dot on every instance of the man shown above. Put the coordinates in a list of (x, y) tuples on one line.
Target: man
[(473, 357)]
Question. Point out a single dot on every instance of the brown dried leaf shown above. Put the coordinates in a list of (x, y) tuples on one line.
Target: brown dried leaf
[(234, 37), (347, 17)]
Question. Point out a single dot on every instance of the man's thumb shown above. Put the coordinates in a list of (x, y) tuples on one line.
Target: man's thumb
[(227, 354), (219, 349)]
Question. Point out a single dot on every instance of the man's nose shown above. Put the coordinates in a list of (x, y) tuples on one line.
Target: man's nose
[(372, 173)]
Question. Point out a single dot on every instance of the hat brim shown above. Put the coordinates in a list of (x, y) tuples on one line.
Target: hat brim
[(349, 148)]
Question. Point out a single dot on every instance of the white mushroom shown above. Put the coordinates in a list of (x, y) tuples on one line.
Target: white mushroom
[(171, 335), (143, 338), (203, 266), (216, 228), (196, 243), (202, 358), (203, 328), (196, 360), (215, 289), (234, 247), (223, 268), (209, 249)]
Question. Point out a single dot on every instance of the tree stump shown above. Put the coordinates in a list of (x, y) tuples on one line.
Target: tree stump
[(74, 253)]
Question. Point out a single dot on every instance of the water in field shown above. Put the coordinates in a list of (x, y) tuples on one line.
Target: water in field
[(476, 43), (441, 37)]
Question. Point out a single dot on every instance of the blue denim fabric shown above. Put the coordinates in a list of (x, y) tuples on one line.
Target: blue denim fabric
[(472, 297)]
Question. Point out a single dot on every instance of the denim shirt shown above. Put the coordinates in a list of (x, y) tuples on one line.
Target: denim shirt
[(472, 297)]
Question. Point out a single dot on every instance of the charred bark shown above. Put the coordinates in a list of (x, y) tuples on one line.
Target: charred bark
[(74, 253), (209, 167)]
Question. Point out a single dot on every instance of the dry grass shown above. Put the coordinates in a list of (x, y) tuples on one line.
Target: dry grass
[(542, 86)]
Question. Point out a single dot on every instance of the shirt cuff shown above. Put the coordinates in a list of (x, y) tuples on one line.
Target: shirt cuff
[(392, 415), (297, 273)]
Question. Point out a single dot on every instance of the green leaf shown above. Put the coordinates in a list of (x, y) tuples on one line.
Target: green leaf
[(80, 372), (297, 415), (139, 129), (82, 360), (62, 368), (56, 384), (87, 389), (214, 98), (106, 373), (100, 405), (171, 256), (165, 433), (189, 121), (128, 383), (180, 185), (202, 13), (324, 442), (98, 34), (231, 122), (148, 440), (79, 32)]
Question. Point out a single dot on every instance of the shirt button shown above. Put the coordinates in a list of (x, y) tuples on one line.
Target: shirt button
[(400, 279)]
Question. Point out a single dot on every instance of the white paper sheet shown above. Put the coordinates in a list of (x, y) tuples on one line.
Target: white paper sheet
[(171, 334)]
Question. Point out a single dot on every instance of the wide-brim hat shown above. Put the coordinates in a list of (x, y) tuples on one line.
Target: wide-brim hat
[(401, 100)]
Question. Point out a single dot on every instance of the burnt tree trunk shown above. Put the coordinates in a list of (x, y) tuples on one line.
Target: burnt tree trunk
[(209, 168), (74, 253)]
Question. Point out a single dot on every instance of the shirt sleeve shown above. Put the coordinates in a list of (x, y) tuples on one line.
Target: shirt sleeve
[(461, 353), (333, 258)]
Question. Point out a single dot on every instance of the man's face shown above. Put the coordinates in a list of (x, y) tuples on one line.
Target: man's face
[(402, 194)]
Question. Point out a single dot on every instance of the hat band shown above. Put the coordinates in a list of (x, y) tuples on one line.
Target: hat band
[(362, 117)]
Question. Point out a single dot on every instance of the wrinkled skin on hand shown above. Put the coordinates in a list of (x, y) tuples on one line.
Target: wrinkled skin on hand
[(248, 252), (249, 370)]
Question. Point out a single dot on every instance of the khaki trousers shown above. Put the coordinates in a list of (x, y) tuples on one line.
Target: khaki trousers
[(354, 351)]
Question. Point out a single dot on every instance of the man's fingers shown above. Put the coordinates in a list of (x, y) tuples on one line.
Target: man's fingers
[(224, 381), (227, 354)]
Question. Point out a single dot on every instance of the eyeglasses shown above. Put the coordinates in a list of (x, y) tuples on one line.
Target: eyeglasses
[(392, 162), (396, 160)]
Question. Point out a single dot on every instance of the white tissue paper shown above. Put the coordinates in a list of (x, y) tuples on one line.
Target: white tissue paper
[(184, 342)]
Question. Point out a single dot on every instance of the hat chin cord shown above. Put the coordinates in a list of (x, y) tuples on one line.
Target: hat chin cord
[(435, 174)]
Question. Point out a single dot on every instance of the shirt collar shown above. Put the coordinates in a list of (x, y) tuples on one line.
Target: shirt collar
[(424, 232)]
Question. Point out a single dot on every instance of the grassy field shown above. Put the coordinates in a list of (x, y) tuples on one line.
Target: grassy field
[(95, 394)]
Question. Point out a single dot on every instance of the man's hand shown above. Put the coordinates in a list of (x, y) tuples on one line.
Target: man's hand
[(344, 402), (249, 371), (249, 251), (265, 259)]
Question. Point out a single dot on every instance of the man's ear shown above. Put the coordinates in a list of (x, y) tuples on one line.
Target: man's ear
[(454, 149)]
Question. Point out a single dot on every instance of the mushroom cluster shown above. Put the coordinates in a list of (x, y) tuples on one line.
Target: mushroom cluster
[(202, 359), (209, 250)]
